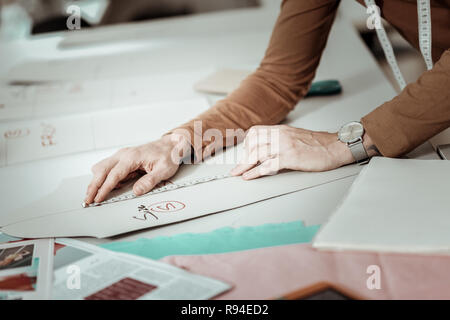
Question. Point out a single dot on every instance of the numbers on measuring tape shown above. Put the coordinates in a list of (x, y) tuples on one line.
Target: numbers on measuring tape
[(424, 31), (425, 40), (168, 187)]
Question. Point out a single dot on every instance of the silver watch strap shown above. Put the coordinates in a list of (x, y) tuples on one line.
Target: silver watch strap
[(359, 152)]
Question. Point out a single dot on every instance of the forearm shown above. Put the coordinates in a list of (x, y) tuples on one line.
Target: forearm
[(284, 75), (418, 113)]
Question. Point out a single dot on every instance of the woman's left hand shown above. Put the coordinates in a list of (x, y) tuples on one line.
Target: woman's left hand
[(268, 149)]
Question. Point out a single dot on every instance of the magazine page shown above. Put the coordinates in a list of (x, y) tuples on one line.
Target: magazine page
[(84, 271), (26, 268)]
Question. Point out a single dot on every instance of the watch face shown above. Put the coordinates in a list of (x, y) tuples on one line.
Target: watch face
[(351, 132)]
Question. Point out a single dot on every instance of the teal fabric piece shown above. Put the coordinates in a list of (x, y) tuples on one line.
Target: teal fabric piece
[(218, 241)]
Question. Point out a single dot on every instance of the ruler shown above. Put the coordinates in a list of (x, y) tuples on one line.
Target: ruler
[(424, 23), (165, 188)]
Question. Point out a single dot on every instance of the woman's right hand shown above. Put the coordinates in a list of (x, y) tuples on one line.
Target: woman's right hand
[(158, 160)]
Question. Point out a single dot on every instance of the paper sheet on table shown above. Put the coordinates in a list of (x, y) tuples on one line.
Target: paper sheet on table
[(43, 99), (61, 214), (394, 205), (26, 268), (222, 81), (218, 241), (84, 271), (37, 139), (297, 266)]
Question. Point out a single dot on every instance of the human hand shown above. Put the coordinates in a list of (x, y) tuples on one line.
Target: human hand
[(158, 160), (268, 149)]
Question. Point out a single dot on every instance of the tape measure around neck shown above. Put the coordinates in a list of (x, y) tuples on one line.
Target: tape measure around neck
[(424, 31), (168, 187), (424, 22)]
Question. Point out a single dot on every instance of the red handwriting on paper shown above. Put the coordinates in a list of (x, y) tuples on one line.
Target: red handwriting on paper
[(2, 106), (48, 135), (159, 207), (167, 206), (16, 133)]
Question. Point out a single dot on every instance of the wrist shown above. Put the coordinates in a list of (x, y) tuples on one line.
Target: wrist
[(340, 151), (180, 147), (178, 141), (370, 147)]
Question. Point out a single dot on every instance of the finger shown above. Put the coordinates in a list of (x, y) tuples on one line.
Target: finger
[(241, 168), (255, 138), (214, 146), (100, 171), (129, 177), (117, 174), (150, 180), (132, 175), (246, 163), (268, 167), (251, 159)]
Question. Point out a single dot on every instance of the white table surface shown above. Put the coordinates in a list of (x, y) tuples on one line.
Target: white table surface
[(201, 44)]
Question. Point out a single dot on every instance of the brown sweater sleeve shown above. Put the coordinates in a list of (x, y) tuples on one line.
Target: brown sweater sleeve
[(284, 75), (418, 113)]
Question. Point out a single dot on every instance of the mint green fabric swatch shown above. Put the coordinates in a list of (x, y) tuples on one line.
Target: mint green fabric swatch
[(218, 241)]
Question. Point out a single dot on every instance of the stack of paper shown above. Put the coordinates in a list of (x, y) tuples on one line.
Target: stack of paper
[(394, 206)]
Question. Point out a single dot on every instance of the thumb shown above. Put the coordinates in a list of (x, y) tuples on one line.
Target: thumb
[(146, 183)]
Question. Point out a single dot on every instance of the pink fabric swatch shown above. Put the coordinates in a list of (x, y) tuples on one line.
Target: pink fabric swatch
[(271, 272)]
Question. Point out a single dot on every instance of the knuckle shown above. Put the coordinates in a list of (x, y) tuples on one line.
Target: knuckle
[(92, 186), (132, 154), (113, 180), (165, 158), (122, 152), (114, 175), (98, 167)]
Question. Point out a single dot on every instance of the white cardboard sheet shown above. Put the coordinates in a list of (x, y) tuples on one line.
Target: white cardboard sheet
[(60, 214), (37, 139), (394, 205), (44, 99)]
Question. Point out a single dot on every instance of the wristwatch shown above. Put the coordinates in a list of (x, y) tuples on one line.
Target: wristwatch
[(352, 134)]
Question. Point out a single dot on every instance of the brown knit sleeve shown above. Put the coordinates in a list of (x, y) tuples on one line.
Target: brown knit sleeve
[(418, 113), (283, 77)]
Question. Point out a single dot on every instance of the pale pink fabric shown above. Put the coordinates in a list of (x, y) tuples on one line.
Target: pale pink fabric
[(271, 272)]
